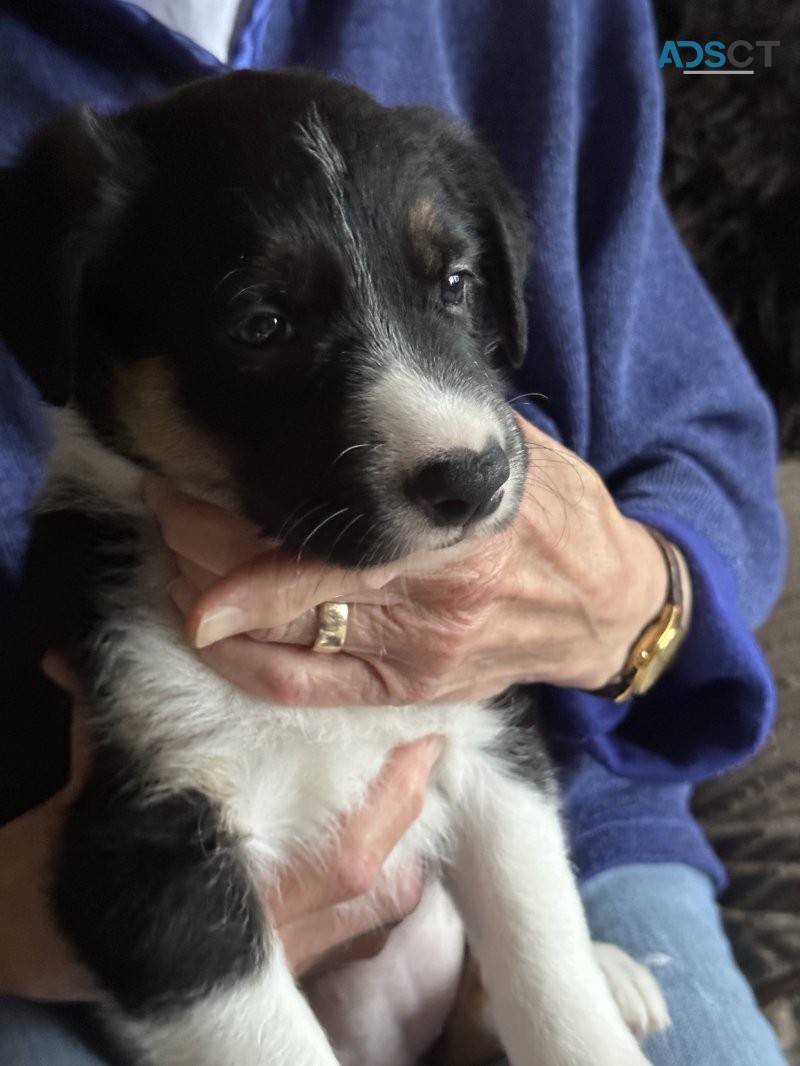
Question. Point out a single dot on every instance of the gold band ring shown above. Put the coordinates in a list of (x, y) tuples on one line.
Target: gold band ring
[(332, 629)]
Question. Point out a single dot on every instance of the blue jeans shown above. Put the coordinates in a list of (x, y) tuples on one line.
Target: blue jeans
[(664, 915)]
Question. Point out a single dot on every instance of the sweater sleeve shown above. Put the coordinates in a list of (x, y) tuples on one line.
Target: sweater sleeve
[(648, 384)]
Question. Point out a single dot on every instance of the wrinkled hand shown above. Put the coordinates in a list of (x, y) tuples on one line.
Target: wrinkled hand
[(559, 597)]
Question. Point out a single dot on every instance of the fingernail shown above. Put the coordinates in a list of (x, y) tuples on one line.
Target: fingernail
[(218, 624)]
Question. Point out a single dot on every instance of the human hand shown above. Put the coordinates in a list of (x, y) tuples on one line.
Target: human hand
[(558, 597), (309, 907), (35, 960)]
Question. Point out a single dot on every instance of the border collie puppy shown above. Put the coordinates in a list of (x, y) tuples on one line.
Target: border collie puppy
[(283, 296)]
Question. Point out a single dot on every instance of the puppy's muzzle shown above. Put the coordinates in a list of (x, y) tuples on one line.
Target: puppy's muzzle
[(460, 487)]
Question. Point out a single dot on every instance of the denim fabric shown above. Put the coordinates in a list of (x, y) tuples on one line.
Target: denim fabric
[(664, 915), (55, 1034)]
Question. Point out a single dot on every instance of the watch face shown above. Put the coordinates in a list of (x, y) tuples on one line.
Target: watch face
[(661, 653), (652, 673)]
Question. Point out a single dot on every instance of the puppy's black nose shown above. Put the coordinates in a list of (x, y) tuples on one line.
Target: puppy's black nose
[(460, 487)]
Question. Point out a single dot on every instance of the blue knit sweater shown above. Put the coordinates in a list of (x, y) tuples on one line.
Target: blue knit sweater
[(641, 376)]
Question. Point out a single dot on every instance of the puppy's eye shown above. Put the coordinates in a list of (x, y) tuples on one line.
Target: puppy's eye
[(262, 329), (454, 287)]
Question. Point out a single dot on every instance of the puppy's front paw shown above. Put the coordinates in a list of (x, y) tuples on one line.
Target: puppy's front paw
[(636, 991)]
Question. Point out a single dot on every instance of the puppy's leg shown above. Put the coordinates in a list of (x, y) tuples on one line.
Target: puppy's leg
[(471, 1033), (156, 895), (388, 1010), (636, 992), (260, 1021), (511, 879)]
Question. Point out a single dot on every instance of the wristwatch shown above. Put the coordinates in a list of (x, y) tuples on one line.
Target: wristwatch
[(656, 647)]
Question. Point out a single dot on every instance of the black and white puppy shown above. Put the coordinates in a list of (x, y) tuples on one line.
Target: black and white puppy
[(283, 297)]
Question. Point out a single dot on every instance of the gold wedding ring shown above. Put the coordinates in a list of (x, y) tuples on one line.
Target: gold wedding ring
[(332, 629)]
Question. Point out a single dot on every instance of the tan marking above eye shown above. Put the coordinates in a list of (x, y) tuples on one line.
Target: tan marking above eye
[(422, 217), (422, 230), (158, 427)]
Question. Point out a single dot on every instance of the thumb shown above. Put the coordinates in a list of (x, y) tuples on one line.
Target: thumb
[(58, 669), (272, 590)]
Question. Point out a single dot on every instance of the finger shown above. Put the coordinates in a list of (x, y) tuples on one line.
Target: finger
[(328, 939), (183, 595), (366, 629), (364, 946), (80, 754), (202, 532), (299, 677), (363, 625), (340, 934), (291, 676), (198, 576), (56, 666), (272, 590), (365, 839)]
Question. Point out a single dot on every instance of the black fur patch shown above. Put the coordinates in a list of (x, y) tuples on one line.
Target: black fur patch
[(71, 556), (156, 895), (524, 749)]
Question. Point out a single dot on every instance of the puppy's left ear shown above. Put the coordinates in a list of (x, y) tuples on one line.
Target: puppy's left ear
[(505, 233), (56, 205)]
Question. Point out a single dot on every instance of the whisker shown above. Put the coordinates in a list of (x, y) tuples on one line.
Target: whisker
[(365, 561), (289, 526), (529, 396), (230, 274), (342, 532), (352, 448), (317, 528)]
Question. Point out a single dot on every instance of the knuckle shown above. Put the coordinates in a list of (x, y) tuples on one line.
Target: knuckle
[(470, 612), (285, 689), (408, 893), (358, 874), (419, 690), (444, 645), (416, 797)]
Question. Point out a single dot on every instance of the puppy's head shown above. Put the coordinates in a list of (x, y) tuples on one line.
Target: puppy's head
[(280, 293)]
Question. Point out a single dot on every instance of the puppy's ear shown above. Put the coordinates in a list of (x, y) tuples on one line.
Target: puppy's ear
[(476, 181), (56, 207), (506, 235)]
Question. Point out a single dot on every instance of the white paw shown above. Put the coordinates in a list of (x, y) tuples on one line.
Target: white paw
[(636, 991)]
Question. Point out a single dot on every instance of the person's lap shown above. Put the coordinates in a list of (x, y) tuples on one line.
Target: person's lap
[(664, 915), (54, 1034)]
